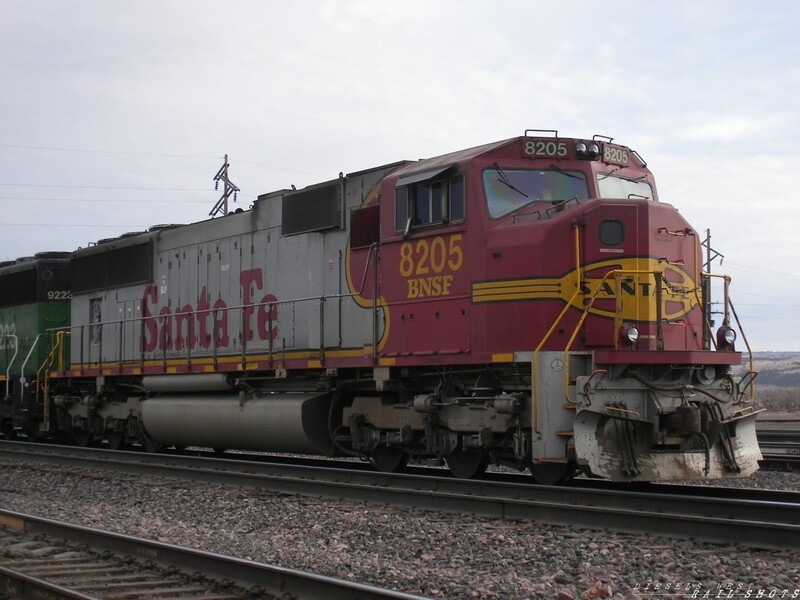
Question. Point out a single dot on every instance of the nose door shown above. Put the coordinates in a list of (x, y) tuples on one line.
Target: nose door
[(613, 238)]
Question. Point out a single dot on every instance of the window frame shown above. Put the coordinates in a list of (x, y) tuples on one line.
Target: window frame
[(607, 236), (446, 197), (503, 172)]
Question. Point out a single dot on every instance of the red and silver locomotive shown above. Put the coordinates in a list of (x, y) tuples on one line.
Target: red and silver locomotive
[(528, 302)]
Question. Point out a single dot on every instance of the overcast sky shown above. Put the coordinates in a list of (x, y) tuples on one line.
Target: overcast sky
[(115, 115)]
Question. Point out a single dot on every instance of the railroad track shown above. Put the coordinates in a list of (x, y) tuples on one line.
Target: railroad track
[(42, 558), (758, 518), (780, 447)]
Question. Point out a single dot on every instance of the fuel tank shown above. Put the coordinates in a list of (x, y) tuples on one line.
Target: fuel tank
[(286, 422)]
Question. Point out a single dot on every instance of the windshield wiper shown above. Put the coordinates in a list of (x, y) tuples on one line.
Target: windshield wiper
[(563, 172), (610, 173), (504, 179), (607, 175)]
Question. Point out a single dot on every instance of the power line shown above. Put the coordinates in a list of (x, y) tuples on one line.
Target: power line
[(258, 164), (89, 151), (155, 154), (107, 187), (102, 200), (79, 225)]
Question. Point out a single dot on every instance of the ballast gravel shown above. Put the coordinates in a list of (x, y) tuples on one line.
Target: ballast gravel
[(439, 555)]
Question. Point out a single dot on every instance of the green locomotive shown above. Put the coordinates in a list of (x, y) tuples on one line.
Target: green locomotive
[(34, 304)]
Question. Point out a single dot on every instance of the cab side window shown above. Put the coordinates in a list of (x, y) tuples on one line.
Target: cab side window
[(436, 201)]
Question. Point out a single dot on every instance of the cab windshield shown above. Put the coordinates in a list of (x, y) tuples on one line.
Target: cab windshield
[(508, 190), (612, 186)]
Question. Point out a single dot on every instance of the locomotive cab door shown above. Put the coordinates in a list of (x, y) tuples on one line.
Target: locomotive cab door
[(431, 299)]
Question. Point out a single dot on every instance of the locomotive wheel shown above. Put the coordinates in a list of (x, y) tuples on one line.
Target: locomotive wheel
[(552, 473), (149, 444), (466, 464), (7, 429), (82, 437), (116, 440), (388, 459)]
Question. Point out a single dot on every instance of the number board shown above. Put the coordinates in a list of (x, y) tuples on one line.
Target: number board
[(616, 155), (544, 148)]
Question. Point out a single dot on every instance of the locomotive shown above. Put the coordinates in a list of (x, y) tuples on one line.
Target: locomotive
[(528, 302)]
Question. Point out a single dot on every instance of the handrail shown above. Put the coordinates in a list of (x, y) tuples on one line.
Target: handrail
[(42, 373), (60, 335), (28, 357), (534, 356), (726, 319), (214, 314), (751, 384), (617, 274), (11, 362)]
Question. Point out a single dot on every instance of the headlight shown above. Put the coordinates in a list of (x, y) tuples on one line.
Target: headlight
[(587, 150), (726, 336), (630, 333)]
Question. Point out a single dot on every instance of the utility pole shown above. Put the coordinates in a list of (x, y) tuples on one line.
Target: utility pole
[(227, 191)]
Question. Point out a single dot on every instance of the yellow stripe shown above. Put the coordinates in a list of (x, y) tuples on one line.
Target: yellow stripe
[(502, 358), (515, 289)]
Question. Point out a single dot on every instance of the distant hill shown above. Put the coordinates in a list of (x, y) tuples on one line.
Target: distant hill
[(778, 381), (779, 369)]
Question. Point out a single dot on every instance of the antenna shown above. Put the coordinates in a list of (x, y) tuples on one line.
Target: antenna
[(711, 256), (230, 188)]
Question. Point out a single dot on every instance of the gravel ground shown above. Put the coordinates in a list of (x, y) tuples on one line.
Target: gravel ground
[(422, 552)]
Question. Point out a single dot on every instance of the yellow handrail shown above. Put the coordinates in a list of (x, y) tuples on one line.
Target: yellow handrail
[(617, 274), (43, 373), (579, 276)]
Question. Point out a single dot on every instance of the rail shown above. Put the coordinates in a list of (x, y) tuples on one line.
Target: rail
[(762, 518), (104, 569)]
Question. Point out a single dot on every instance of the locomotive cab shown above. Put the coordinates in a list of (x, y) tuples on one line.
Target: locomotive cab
[(625, 381)]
